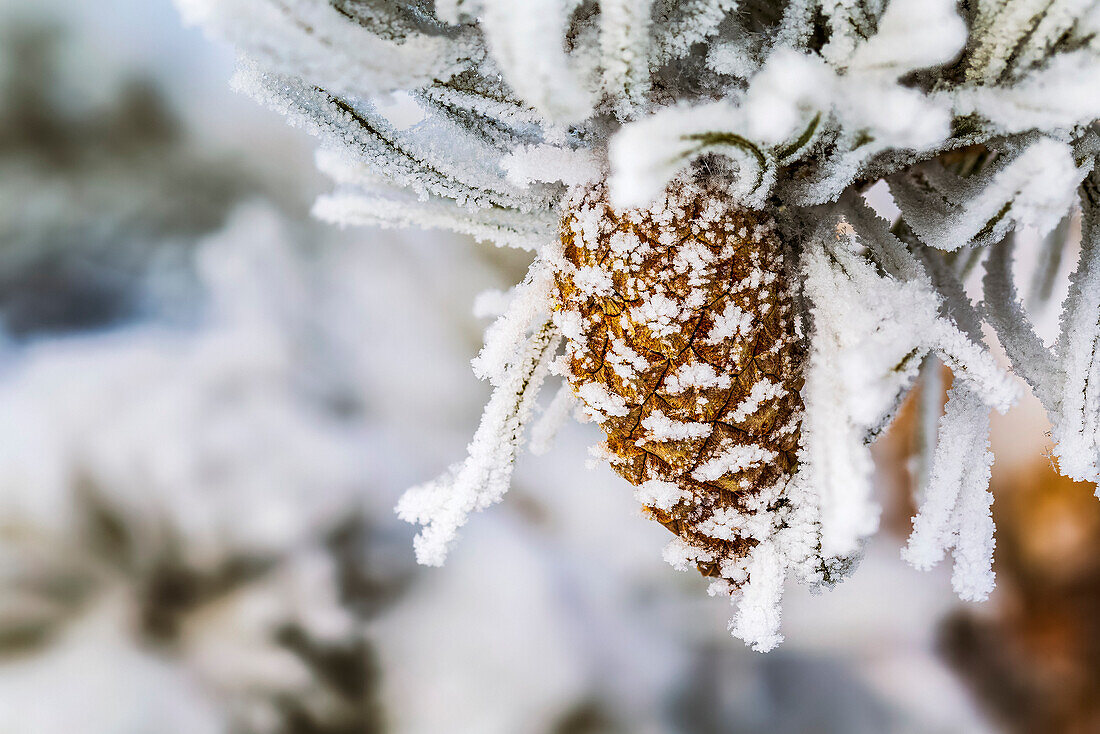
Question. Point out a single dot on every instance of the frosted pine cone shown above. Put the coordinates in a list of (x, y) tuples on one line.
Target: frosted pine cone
[(682, 345)]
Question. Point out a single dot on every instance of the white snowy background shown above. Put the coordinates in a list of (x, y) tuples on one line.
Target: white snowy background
[(270, 380)]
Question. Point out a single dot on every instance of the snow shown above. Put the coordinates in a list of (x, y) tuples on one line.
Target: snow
[(1033, 187), (955, 510), (1076, 410), (599, 403), (1060, 95), (731, 323), (313, 39), (757, 618), (697, 376), (506, 338), (400, 109), (645, 155), (660, 494), (443, 506), (549, 163), (624, 52), (525, 40), (784, 100), (762, 391), (593, 281), (733, 459), (659, 314), (731, 58), (853, 381), (519, 349), (692, 22), (680, 555), (401, 209), (659, 427), (912, 34)]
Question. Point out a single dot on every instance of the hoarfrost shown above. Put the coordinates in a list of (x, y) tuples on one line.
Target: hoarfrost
[(486, 117)]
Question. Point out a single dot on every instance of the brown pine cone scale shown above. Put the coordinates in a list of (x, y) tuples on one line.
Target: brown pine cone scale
[(681, 344)]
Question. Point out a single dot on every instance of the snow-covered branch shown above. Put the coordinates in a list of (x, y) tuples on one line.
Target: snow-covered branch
[(1031, 187), (955, 510), (383, 51), (1077, 422)]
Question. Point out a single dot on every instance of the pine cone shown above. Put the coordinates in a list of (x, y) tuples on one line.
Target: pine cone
[(682, 345)]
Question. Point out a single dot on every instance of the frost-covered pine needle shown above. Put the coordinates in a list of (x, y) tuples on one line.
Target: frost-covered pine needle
[(487, 117), (954, 513), (443, 505)]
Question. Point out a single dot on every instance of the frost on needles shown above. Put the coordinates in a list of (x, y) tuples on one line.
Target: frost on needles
[(489, 117)]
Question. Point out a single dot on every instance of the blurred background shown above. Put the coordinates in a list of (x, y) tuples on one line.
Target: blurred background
[(209, 404)]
